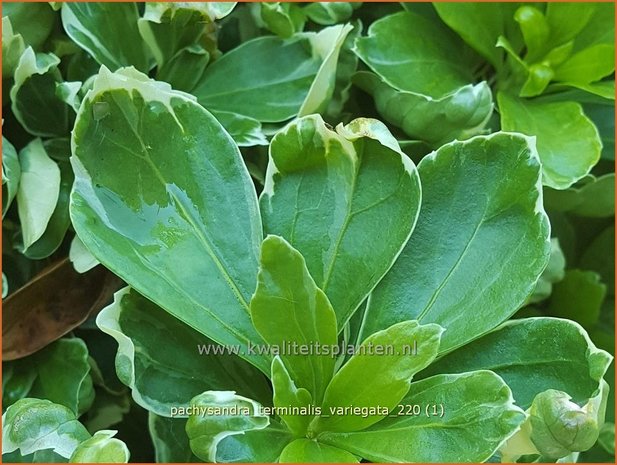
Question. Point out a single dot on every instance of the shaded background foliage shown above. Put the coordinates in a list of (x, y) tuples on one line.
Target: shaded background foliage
[(542, 70)]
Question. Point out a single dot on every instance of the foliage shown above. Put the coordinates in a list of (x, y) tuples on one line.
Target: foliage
[(321, 232)]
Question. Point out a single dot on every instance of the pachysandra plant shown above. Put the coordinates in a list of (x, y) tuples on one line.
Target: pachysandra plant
[(303, 283)]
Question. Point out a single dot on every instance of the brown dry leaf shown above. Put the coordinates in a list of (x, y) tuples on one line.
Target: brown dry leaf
[(56, 301)]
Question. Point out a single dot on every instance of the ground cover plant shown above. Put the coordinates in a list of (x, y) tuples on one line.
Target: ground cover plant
[(308, 232)]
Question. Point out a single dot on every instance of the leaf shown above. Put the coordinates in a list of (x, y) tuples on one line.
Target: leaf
[(171, 444), (245, 131), (200, 210), (286, 293), (489, 188), (68, 93), (55, 302), (309, 451), (535, 30), (595, 198), (108, 32), (397, 354), (305, 68), (13, 47), (479, 414), (32, 425), (287, 394), (327, 44), (185, 69), (258, 445), (332, 194), (559, 426), (60, 373), (588, 65), (457, 115), (567, 20), (164, 381), (568, 142), (230, 415), (38, 192), (396, 49), (168, 28), (179, 37), (101, 448), (553, 273), (495, 20), (579, 297), (599, 256), (603, 117), (80, 257), (328, 13), (283, 19), (11, 172), (33, 95), (59, 221), (533, 355), (34, 22)]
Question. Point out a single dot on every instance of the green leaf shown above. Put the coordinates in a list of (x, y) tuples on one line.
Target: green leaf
[(59, 221), (32, 425), (168, 28), (101, 448), (11, 172), (163, 381), (603, 116), (396, 354), (560, 426), (200, 210), (457, 115), (535, 30), (287, 394), (34, 22), (245, 131), (480, 25), (595, 198), (332, 194), (479, 414), (33, 95), (554, 272), (13, 47), (108, 32), (274, 93), (568, 142), (533, 355), (258, 445), (397, 50), (579, 296), (230, 415), (287, 293), (567, 20), (185, 69), (68, 92), (599, 256), (80, 257), (489, 187), (327, 44), (328, 13), (179, 36), (38, 192), (557, 427), (310, 451), (283, 19), (62, 374), (588, 65), (171, 444)]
